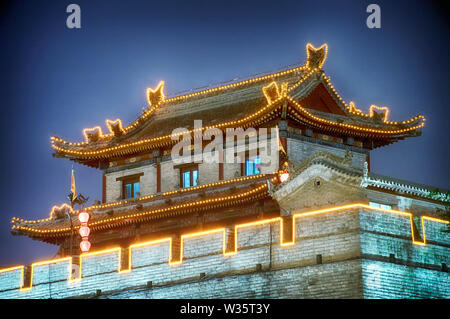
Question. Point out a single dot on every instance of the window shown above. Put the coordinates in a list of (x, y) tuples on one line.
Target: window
[(189, 176), (131, 186), (132, 189), (252, 166), (378, 205)]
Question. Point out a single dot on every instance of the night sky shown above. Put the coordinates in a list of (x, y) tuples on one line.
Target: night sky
[(57, 81)]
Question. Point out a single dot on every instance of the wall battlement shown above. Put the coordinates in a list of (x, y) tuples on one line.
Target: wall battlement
[(351, 244)]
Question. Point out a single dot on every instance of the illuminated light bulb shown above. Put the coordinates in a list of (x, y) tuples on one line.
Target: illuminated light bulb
[(85, 245), (83, 217), (84, 231)]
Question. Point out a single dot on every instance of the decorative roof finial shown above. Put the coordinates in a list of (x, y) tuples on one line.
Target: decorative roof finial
[(156, 96), (316, 56), (271, 92), (115, 127)]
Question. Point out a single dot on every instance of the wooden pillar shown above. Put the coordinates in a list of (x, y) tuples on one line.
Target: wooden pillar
[(104, 188), (283, 126), (220, 165), (158, 176)]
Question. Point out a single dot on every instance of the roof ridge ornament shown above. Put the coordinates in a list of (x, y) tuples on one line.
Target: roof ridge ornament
[(381, 113), (156, 96), (272, 92), (115, 127), (93, 134), (316, 56)]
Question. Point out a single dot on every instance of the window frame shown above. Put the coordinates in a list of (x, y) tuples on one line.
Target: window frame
[(188, 168), (130, 180), (244, 165)]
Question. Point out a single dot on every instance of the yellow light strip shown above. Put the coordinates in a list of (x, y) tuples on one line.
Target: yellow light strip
[(220, 88), (310, 47), (21, 267), (431, 219), (158, 91), (110, 124), (233, 85), (350, 108), (156, 211), (354, 127), (198, 234), (380, 108), (295, 216), (144, 198), (160, 139), (144, 244), (92, 129), (267, 90), (39, 263), (96, 253)]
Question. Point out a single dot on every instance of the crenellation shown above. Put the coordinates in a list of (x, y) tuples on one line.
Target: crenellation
[(260, 244)]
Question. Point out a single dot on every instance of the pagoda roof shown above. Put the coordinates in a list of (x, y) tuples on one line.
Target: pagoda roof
[(307, 93), (224, 194)]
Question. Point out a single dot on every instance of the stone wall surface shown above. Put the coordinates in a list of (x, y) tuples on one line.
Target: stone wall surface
[(341, 254)]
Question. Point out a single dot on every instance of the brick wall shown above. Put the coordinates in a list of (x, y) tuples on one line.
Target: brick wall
[(147, 186), (341, 254), (299, 150)]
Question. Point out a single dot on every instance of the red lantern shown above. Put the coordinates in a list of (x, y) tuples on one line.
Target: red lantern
[(83, 217), (85, 245), (84, 231)]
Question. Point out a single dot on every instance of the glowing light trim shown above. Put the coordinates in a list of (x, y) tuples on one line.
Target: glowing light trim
[(201, 203), (156, 94), (166, 139), (95, 129), (212, 90), (373, 109), (186, 96), (354, 127), (269, 89), (110, 125), (33, 265), (310, 49), (57, 208), (179, 261), (145, 198)]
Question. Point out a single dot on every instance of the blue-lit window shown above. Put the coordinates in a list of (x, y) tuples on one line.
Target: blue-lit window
[(189, 177), (131, 189), (378, 205), (252, 166), (136, 189), (128, 190), (131, 186)]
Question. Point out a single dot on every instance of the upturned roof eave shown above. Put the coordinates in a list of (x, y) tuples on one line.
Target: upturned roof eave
[(165, 204)]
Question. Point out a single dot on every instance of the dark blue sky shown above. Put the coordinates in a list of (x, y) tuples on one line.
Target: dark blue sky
[(57, 81)]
